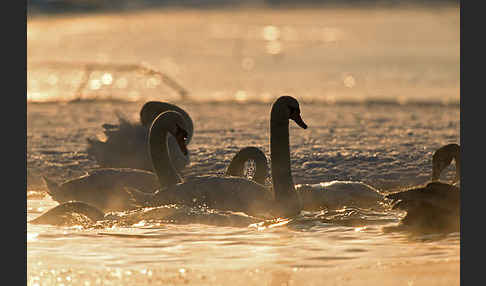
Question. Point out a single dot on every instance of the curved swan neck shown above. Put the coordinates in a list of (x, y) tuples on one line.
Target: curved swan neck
[(158, 150), (237, 164), (151, 109)]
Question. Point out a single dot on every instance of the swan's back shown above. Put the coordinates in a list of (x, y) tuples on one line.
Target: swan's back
[(226, 193), (108, 178), (434, 194), (104, 188), (336, 194), (70, 213), (126, 147), (434, 207)]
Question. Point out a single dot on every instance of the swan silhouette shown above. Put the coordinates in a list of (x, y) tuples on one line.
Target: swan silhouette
[(435, 206), (105, 188), (126, 142), (70, 213), (228, 193), (83, 214), (334, 194)]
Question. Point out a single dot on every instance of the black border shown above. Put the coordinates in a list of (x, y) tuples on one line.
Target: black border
[(472, 91)]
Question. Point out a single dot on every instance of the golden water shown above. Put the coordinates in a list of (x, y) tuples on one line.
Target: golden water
[(399, 59)]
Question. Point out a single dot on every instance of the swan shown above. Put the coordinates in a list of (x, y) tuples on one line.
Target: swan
[(435, 206), (80, 213), (339, 193), (228, 193), (333, 194), (431, 208), (125, 146), (105, 187), (70, 213)]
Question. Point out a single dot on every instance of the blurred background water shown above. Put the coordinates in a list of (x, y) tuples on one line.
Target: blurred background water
[(377, 52)]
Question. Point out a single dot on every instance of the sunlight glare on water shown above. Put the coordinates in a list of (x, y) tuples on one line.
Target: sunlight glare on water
[(89, 70)]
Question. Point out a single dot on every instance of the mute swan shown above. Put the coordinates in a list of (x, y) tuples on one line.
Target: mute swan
[(334, 194), (435, 206), (104, 188), (70, 213), (126, 143), (339, 193), (81, 213), (232, 193)]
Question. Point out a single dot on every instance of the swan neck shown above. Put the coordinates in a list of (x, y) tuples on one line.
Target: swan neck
[(280, 160), (287, 201), (237, 164), (159, 153)]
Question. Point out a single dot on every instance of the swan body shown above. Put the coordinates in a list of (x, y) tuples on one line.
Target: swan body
[(334, 194), (126, 142), (104, 188), (229, 193), (99, 187), (431, 208), (436, 205), (226, 193), (70, 213), (440, 160), (80, 213)]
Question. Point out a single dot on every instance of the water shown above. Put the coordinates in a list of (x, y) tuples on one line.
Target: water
[(378, 88)]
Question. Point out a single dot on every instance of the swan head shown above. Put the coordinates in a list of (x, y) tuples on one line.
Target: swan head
[(173, 122), (150, 110), (443, 158), (287, 107)]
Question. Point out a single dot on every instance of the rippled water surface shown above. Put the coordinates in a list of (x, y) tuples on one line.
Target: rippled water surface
[(379, 90)]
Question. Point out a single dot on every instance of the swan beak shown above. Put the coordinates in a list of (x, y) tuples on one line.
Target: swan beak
[(296, 117)]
